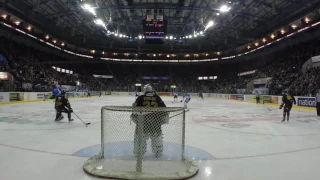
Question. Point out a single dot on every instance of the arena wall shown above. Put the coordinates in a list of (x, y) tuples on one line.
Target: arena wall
[(20, 97)]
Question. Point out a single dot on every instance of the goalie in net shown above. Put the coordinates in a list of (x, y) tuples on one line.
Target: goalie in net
[(151, 121)]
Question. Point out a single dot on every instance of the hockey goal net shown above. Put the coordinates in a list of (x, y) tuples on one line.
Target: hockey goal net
[(142, 143)]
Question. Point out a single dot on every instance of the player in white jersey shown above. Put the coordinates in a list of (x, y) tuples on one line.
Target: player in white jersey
[(175, 97), (186, 98)]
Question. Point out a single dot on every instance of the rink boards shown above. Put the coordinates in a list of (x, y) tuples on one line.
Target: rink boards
[(307, 103)]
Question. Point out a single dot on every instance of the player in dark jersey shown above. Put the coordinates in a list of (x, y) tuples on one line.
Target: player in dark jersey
[(62, 105), (201, 95), (151, 121), (137, 94), (287, 102)]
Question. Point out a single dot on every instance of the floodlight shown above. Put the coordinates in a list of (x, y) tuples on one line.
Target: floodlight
[(90, 9), (210, 23), (99, 22), (224, 8)]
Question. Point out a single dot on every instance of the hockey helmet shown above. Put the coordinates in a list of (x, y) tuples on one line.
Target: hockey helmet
[(147, 88)]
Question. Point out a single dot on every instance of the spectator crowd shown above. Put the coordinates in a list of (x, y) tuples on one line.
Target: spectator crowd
[(34, 67)]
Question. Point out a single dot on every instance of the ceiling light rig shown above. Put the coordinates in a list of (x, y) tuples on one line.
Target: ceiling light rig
[(100, 22), (224, 8), (89, 8), (210, 24)]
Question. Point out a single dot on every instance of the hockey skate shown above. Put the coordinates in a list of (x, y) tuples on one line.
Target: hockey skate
[(70, 120), (59, 119), (135, 153), (158, 154)]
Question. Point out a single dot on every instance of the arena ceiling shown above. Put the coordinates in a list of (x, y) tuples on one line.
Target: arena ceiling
[(244, 22)]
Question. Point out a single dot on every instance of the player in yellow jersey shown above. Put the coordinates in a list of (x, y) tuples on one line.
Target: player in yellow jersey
[(287, 102), (151, 121)]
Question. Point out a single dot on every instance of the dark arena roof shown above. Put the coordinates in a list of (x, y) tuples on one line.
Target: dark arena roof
[(206, 30), (97, 24)]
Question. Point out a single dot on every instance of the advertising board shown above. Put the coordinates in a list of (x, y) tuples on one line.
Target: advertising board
[(16, 96), (307, 101)]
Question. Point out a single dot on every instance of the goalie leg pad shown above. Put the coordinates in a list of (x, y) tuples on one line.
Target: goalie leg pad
[(134, 118), (157, 143), (136, 139)]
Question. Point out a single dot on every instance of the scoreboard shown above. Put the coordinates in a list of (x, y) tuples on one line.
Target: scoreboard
[(154, 28)]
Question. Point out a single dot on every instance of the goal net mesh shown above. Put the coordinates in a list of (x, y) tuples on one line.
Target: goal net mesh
[(142, 143)]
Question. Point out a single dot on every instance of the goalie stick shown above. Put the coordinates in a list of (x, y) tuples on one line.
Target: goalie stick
[(171, 116), (81, 119), (176, 115)]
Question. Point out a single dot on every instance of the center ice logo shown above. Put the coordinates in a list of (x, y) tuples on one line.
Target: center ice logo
[(309, 102)]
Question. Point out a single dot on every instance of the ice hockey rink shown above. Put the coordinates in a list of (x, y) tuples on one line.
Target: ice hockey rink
[(229, 140)]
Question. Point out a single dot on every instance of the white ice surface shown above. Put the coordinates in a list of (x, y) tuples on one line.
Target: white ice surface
[(247, 141)]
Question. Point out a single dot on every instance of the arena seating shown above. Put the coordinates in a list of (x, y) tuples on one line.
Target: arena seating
[(31, 65)]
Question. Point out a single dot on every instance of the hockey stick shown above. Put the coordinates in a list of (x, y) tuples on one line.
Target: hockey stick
[(272, 109), (81, 119), (177, 114), (166, 119)]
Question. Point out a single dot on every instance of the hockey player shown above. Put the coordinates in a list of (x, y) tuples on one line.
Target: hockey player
[(62, 105), (175, 97), (151, 121), (137, 94), (55, 93), (318, 103), (201, 95), (187, 99), (287, 102), (258, 97)]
